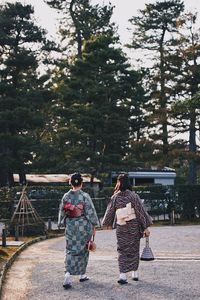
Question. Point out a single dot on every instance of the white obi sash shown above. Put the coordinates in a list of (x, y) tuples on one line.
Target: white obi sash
[(125, 214)]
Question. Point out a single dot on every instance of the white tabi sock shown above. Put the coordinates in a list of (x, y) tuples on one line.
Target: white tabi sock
[(122, 276), (135, 274), (82, 276), (67, 279)]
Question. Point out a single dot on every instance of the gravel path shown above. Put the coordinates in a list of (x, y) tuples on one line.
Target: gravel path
[(38, 272)]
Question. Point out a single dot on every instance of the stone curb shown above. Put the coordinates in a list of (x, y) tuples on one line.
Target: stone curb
[(17, 253)]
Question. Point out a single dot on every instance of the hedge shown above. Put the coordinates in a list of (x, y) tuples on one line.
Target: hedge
[(183, 199)]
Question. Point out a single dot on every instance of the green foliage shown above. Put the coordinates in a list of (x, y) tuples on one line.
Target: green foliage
[(188, 199), (7, 196), (94, 112), (94, 108), (158, 200), (154, 21), (154, 32), (186, 109), (23, 92), (81, 20)]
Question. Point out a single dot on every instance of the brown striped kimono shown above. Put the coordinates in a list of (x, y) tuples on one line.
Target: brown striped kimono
[(129, 235)]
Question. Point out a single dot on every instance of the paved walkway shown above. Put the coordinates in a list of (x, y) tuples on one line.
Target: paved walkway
[(38, 272)]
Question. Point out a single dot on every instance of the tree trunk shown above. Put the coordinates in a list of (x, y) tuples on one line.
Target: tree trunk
[(77, 28), (22, 177), (10, 179), (3, 177), (163, 100), (192, 172)]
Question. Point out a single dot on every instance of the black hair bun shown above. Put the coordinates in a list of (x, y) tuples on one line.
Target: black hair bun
[(76, 179)]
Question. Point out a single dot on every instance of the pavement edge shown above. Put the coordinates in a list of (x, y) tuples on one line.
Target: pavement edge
[(17, 253)]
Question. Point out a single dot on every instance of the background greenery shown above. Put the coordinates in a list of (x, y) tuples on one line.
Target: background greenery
[(81, 104)]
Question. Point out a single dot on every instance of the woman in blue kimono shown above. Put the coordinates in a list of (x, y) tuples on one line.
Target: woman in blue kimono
[(78, 211)]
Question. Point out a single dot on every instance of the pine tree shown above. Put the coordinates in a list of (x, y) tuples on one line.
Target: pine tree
[(95, 106), (81, 20), (22, 90), (187, 107), (97, 92), (154, 32)]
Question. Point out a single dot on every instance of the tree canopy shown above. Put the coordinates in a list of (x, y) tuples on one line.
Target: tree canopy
[(91, 108), (22, 89)]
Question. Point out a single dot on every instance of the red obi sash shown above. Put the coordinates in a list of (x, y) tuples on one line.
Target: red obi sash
[(74, 211)]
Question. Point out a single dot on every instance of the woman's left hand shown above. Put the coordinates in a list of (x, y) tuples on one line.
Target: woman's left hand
[(146, 233)]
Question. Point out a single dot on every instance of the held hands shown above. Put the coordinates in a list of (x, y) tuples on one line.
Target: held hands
[(146, 233), (108, 227)]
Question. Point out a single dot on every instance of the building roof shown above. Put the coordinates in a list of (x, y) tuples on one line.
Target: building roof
[(149, 173), (48, 178), (158, 174)]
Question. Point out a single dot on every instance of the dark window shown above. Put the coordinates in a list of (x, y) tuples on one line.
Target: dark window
[(144, 181)]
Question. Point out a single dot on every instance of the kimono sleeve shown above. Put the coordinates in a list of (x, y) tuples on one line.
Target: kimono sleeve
[(90, 211), (109, 216), (61, 212), (143, 217)]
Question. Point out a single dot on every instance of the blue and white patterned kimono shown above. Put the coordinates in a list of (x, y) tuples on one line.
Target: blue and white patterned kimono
[(78, 231)]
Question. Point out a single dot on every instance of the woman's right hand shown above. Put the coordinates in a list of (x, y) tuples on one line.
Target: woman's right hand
[(146, 233)]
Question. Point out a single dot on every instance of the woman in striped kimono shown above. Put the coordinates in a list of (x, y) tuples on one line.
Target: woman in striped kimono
[(80, 216), (132, 222)]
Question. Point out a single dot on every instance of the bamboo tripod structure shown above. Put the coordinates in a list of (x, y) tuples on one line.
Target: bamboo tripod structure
[(25, 214)]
